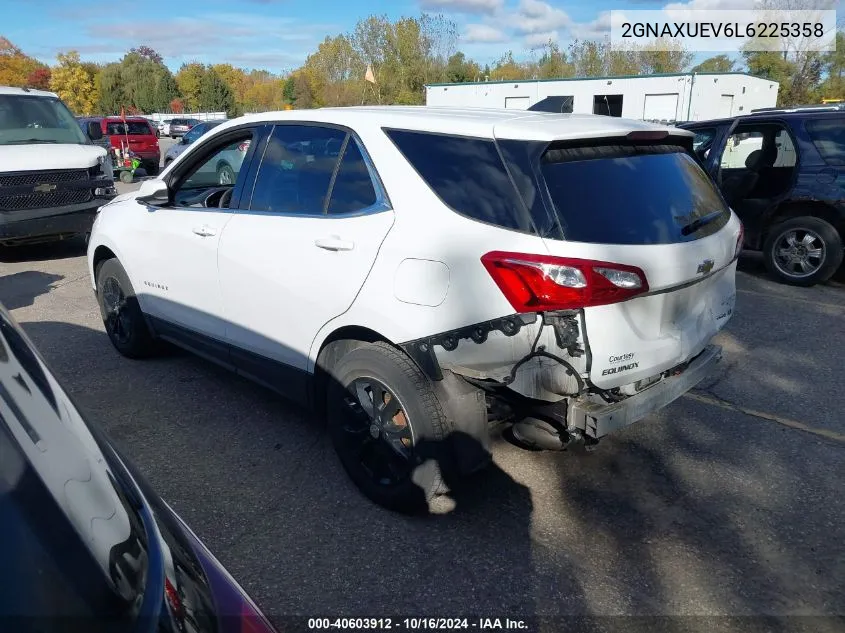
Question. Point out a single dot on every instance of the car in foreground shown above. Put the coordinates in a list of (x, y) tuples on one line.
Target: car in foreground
[(418, 275), (136, 132), (179, 127), (85, 543), (781, 171), (198, 130), (53, 175)]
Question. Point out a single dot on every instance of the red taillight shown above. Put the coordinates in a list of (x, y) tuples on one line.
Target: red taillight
[(173, 599), (740, 240), (243, 146), (536, 283)]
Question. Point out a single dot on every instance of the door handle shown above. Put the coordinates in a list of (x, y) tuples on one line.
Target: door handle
[(334, 243), (204, 231)]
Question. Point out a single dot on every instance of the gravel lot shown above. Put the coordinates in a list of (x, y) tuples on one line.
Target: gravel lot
[(729, 502)]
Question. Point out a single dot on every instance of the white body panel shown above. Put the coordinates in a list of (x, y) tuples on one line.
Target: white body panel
[(413, 272), (698, 97), (40, 156)]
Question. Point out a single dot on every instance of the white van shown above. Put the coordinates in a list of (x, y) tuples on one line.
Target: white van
[(52, 177)]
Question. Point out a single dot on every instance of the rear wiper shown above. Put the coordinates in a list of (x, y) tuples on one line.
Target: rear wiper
[(692, 227)]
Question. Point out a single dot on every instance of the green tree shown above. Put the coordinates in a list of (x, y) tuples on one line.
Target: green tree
[(553, 62), (289, 91), (112, 97), (665, 58), (588, 58), (715, 64), (460, 69), (506, 68), (215, 95)]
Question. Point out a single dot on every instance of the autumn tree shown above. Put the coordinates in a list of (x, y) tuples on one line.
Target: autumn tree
[(74, 85), (553, 62), (177, 106), (16, 68), (148, 53), (39, 78), (188, 80), (506, 68)]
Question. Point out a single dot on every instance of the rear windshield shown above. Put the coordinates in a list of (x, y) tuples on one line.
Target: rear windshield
[(626, 194), (133, 128), (605, 193), (829, 138)]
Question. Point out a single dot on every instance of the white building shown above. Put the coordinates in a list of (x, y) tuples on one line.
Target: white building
[(667, 98)]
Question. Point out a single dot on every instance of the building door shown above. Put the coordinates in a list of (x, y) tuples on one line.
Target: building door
[(517, 103), (726, 106)]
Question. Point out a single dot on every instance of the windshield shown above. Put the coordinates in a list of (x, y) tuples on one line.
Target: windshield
[(26, 119)]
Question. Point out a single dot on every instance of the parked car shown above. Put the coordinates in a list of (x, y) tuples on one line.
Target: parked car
[(189, 137), (164, 127), (137, 132), (85, 543), (442, 271), (52, 175), (782, 172), (179, 127)]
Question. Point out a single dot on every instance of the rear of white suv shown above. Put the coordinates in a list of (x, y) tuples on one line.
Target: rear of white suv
[(433, 272)]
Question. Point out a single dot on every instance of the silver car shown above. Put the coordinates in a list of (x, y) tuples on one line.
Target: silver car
[(188, 138)]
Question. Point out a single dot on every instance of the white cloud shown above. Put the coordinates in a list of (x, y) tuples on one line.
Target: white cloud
[(463, 6), (482, 33), (536, 40), (534, 16)]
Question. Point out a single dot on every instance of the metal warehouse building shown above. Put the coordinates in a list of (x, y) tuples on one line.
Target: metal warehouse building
[(665, 98)]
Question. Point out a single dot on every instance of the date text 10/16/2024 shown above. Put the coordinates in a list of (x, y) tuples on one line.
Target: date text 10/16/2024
[(417, 624)]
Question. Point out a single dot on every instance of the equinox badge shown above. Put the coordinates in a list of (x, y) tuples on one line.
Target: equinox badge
[(44, 187), (705, 267)]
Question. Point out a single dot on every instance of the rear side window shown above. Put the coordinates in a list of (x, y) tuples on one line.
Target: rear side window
[(132, 128), (467, 174), (829, 138), (631, 194), (353, 188)]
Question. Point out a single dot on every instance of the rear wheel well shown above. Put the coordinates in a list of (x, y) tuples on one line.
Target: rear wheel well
[(814, 209), (337, 344), (102, 254)]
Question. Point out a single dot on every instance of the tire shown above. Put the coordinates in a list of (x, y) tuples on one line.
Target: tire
[(225, 175), (153, 169), (420, 426), (126, 326), (803, 251), (126, 176)]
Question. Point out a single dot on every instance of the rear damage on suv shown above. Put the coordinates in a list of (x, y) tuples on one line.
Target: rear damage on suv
[(615, 320)]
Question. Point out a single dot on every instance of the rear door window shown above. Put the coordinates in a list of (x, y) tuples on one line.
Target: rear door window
[(353, 187), (467, 174), (631, 194), (829, 138)]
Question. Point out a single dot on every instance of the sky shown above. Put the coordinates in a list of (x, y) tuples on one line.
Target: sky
[(278, 35)]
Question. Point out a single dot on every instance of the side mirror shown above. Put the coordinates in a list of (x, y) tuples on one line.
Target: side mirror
[(95, 132), (154, 192)]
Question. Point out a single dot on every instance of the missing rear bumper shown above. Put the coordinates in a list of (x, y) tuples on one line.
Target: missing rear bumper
[(597, 419)]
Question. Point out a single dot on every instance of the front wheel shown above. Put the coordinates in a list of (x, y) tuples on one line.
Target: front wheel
[(803, 251), (122, 317), (388, 427)]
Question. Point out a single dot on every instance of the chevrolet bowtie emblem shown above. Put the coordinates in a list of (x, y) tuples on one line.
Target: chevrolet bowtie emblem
[(705, 267), (44, 187)]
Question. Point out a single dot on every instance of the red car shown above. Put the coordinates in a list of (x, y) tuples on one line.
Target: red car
[(142, 138)]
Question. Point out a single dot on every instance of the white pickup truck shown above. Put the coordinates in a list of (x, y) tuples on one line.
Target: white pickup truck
[(52, 177)]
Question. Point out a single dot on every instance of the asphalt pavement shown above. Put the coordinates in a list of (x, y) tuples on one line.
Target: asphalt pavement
[(728, 502)]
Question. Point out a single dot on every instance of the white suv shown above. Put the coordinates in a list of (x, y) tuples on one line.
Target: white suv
[(421, 274)]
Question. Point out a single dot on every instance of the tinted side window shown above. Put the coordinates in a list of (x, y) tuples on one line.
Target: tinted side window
[(829, 138), (353, 188), (467, 174), (297, 169)]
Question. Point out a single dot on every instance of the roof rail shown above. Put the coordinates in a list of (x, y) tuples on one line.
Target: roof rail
[(831, 107)]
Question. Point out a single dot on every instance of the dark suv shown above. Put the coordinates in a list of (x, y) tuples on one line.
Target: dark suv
[(783, 173)]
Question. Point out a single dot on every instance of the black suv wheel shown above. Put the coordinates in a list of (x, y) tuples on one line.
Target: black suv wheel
[(803, 251)]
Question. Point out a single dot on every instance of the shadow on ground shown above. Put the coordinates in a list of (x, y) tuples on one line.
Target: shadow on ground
[(18, 290), (74, 247)]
